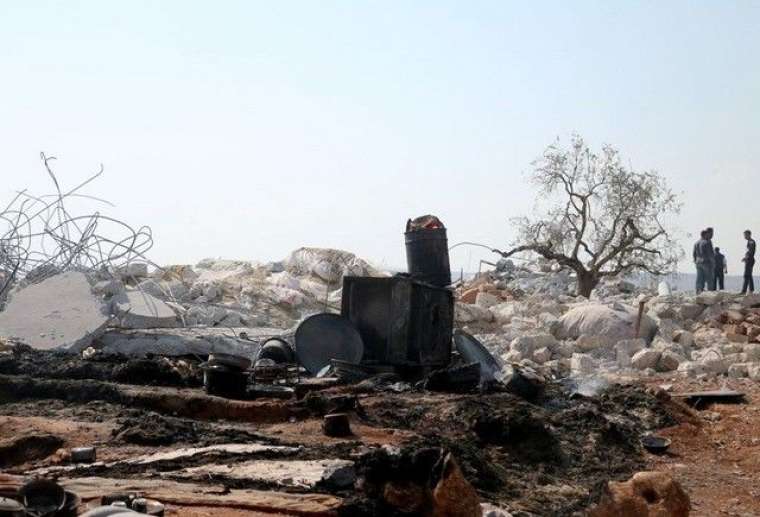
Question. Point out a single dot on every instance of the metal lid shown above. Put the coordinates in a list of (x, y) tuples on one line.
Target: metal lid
[(323, 337)]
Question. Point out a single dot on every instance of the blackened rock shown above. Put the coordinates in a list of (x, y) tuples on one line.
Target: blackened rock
[(336, 425), (525, 383), (458, 379)]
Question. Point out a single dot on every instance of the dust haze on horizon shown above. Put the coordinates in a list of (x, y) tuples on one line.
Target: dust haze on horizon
[(245, 130)]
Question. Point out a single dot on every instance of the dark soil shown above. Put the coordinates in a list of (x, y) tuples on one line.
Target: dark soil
[(548, 459), (149, 428), (24, 449), (113, 368)]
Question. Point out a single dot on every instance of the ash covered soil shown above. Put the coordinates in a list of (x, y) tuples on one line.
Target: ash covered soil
[(548, 457)]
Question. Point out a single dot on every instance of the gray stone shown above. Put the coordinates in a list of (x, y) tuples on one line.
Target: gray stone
[(185, 341), (684, 338), (588, 343), (646, 358), (738, 370), (709, 298), (690, 311), (753, 352), (668, 362), (630, 346), (542, 355), (750, 300), (133, 270), (139, 310), (59, 312)]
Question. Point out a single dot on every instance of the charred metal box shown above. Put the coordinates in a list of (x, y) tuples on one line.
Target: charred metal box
[(402, 322)]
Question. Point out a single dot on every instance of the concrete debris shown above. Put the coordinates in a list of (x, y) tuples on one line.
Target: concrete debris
[(614, 323), (295, 474), (184, 341), (59, 312), (138, 310)]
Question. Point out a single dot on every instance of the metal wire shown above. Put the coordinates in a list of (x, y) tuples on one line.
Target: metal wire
[(40, 237)]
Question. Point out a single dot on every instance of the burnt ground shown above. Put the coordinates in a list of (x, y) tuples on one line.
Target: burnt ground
[(150, 371), (549, 457)]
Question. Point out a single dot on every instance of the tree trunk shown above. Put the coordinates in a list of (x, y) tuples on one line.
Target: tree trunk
[(586, 283)]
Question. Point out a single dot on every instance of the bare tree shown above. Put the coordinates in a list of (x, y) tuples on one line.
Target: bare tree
[(603, 220)]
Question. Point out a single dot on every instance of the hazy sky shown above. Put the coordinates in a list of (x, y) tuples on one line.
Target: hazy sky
[(247, 129)]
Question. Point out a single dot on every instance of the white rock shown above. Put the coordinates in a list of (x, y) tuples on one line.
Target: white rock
[(583, 364), (489, 510), (753, 372), (709, 298), (691, 369), (738, 370), (587, 343), (646, 358), (549, 322), (504, 312), (467, 313), (713, 364), (753, 351), (512, 357), (706, 337), (487, 300), (528, 344), (615, 323), (663, 289)]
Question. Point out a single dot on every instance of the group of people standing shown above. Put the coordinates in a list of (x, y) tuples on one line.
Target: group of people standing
[(712, 267)]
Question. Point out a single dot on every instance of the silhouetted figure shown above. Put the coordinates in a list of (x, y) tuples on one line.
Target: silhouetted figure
[(720, 270), (749, 263), (704, 259)]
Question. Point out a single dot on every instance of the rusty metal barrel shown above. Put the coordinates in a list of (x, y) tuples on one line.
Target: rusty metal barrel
[(427, 253)]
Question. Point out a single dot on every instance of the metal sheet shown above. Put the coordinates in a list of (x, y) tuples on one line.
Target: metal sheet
[(323, 337), (473, 351)]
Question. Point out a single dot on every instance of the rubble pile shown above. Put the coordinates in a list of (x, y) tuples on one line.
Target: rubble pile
[(531, 318)]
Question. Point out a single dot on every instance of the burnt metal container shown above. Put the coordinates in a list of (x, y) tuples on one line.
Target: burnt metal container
[(427, 256), (402, 322)]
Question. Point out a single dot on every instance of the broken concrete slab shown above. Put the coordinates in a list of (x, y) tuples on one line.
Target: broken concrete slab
[(303, 474), (140, 310), (170, 457), (209, 495), (185, 341), (59, 312)]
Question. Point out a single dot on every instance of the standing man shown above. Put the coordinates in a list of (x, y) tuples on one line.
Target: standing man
[(749, 263), (704, 261), (709, 256), (720, 270)]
